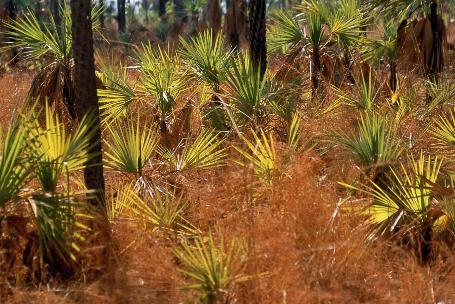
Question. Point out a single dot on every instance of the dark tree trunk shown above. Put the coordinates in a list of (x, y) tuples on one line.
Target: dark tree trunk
[(235, 24), (437, 60), (393, 76), (179, 9), (86, 100), (212, 16), (145, 7), (258, 47), (12, 14), (316, 65), (162, 7), (121, 17)]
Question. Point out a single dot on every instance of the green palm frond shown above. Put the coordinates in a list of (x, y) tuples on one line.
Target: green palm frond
[(37, 39), (213, 268), (54, 150), (294, 134), (14, 167), (162, 77), (246, 90), (117, 95), (367, 95), (160, 209), (285, 31), (206, 57), (59, 219), (261, 155), (443, 130), (204, 153), (384, 48), (406, 197), (375, 143), (131, 147)]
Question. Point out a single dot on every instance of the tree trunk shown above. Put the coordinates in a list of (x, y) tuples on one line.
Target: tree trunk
[(121, 18), (162, 7), (393, 76), (212, 16), (12, 14), (179, 9), (437, 60), (235, 25), (316, 68), (258, 47), (86, 100)]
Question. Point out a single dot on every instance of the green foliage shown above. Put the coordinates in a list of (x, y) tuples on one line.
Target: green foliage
[(130, 147), (375, 143), (443, 131), (285, 32), (14, 167), (406, 198), (37, 39), (367, 95), (214, 269), (117, 96), (203, 153), (160, 209), (54, 151), (162, 78), (246, 91), (261, 155), (206, 57)]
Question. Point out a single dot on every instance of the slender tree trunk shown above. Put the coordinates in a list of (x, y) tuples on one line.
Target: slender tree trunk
[(235, 24), (179, 10), (212, 16), (258, 47), (145, 7), (86, 99), (393, 76), (437, 60), (316, 68), (162, 7), (12, 11), (121, 18)]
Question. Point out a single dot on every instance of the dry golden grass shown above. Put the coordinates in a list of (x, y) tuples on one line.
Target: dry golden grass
[(302, 246)]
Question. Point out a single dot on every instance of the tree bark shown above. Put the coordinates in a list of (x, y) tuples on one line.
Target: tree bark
[(316, 65), (258, 47), (86, 100), (121, 18), (437, 60), (12, 14), (162, 7), (235, 24)]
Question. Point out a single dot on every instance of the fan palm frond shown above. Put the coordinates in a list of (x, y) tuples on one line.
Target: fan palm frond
[(132, 146)]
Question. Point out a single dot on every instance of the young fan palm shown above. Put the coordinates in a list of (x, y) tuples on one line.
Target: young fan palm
[(52, 42), (208, 62), (375, 146), (339, 23), (405, 206), (405, 9)]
